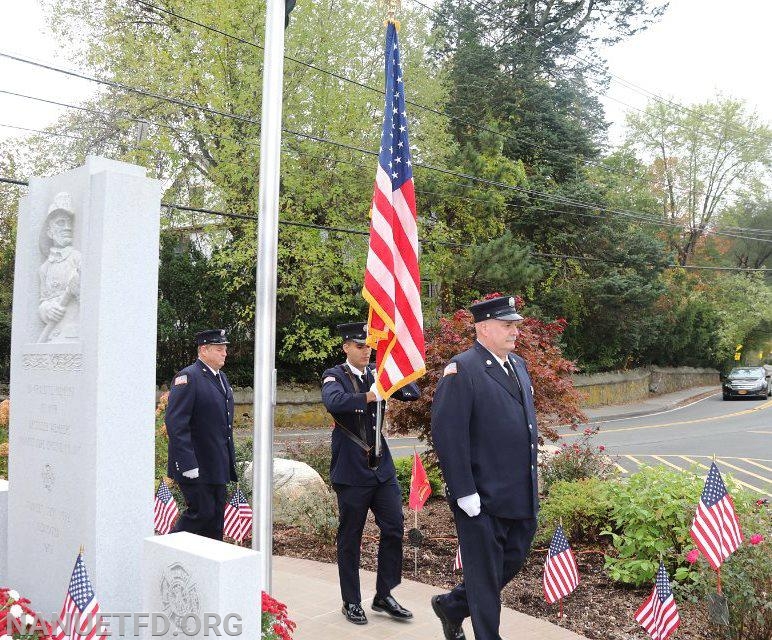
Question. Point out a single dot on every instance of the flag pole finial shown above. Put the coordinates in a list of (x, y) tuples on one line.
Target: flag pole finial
[(391, 11)]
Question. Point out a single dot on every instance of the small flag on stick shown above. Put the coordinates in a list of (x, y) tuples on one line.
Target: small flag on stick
[(658, 614), (561, 575), (420, 489), (457, 566), (238, 517), (716, 528), (165, 511), (80, 619)]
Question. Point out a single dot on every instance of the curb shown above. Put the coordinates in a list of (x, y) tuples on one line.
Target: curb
[(665, 407)]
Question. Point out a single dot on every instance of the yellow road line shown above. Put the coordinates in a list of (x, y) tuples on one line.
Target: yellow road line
[(669, 464), (764, 432), (755, 463), (740, 482), (745, 471), (621, 468), (765, 405), (633, 459)]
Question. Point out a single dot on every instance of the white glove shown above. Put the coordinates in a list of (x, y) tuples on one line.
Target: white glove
[(191, 473), (374, 391), (470, 504)]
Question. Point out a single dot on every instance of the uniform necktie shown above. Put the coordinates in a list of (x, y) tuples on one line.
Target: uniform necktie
[(219, 379), (514, 381)]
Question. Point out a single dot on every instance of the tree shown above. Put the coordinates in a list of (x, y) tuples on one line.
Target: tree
[(556, 400), (701, 157), (751, 218), (9, 198)]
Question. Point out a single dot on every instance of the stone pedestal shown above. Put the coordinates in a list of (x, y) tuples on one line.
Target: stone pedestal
[(82, 382), (191, 582)]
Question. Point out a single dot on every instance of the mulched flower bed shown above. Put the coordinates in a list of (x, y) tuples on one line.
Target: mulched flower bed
[(598, 609)]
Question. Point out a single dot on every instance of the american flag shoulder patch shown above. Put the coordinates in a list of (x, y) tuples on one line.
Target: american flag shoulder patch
[(450, 369), (183, 379), (329, 379)]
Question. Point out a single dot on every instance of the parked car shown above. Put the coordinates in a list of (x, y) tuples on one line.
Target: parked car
[(747, 382)]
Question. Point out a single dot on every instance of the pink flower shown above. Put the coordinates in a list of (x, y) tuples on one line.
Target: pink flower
[(601, 448), (692, 556), (756, 538)]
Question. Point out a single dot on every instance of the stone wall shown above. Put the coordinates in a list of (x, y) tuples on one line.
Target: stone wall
[(618, 387)]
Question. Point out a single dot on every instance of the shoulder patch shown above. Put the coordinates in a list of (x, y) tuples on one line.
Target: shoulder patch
[(183, 379), (450, 369), (329, 379)]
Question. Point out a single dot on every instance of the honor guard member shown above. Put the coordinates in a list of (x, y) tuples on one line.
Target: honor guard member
[(361, 480), (484, 432), (199, 421)]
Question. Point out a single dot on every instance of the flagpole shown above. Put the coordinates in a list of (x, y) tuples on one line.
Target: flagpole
[(265, 287), (415, 524)]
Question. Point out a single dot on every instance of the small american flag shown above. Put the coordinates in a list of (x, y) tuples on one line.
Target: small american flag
[(561, 575), (165, 511), (80, 611), (658, 614), (457, 566), (392, 285), (716, 529), (238, 517)]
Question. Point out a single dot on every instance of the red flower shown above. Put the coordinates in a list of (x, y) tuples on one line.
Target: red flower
[(601, 448), (692, 556), (756, 538)]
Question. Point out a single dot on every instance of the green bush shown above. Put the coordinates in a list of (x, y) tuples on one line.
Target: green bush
[(316, 454), (579, 460), (315, 514), (582, 506), (746, 577), (404, 468), (651, 513)]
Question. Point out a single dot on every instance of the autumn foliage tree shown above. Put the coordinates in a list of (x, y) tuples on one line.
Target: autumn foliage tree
[(557, 401)]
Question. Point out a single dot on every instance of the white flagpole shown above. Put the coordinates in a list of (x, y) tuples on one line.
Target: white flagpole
[(265, 294)]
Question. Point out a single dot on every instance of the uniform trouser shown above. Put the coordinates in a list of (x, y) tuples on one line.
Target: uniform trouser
[(385, 501), (493, 550), (205, 513)]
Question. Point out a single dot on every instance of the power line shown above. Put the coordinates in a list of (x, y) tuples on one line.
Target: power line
[(362, 232), (520, 190)]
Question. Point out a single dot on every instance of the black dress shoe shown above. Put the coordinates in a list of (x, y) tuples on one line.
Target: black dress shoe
[(387, 604), (452, 630), (354, 613)]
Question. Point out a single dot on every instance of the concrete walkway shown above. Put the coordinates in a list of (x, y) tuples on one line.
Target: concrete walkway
[(310, 591)]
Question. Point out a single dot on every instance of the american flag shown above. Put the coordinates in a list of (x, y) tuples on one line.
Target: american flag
[(457, 566), (165, 511), (80, 611), (716, 529), (392, 283), (658, 614), (561, 575), (238, 517)]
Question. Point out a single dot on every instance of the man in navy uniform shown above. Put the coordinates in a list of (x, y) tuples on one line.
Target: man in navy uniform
[(484, 432), (361, 481), (199, 421)]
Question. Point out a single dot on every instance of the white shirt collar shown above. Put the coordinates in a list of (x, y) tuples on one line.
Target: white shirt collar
[(214, 371), (499, 360), (354, 370)]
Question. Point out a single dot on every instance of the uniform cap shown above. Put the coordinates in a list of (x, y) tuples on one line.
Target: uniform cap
[(212, 336), (502, 308), (356, 331)]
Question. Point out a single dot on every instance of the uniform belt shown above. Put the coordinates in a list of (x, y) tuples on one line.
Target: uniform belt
[(373, 461)]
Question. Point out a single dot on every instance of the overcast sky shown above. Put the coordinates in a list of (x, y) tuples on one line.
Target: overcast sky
[(699, 47)]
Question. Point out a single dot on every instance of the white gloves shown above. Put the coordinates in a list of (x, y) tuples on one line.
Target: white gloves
[(374, 391), (470, 504), (191, 473)]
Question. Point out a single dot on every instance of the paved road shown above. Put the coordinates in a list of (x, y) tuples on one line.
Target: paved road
[(738, 432)]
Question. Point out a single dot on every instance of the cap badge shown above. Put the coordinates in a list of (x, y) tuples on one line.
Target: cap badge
[(222, 332), (511, 302)]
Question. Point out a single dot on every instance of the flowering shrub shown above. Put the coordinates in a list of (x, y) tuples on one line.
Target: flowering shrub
[(276, 625), (576, 461), (16, 614)]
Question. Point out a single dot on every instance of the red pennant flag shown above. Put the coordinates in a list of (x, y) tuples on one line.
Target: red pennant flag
[(420, 490)]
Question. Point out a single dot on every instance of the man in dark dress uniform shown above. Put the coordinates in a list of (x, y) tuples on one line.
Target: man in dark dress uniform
[(361, 481), (484, 432), (199, 421)]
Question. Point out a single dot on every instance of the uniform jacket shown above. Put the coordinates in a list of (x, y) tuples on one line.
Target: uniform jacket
[(199, 421), (484, 432), (349, 408)]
